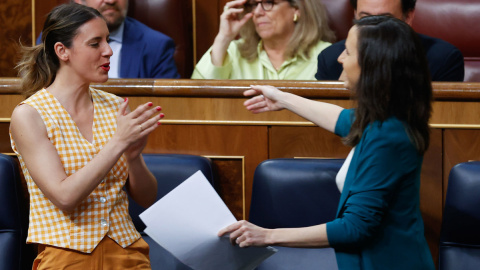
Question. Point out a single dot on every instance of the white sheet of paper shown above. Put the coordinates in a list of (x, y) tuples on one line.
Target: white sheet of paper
[(186, 222)]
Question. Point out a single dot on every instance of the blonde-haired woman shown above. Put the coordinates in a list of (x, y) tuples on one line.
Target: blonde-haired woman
[(279, 40)]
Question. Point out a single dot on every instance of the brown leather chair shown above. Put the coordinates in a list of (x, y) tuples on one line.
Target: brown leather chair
[(173, 18), (455, 21), (340, 17)]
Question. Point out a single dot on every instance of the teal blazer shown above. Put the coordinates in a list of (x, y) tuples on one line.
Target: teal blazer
[(378, 223)]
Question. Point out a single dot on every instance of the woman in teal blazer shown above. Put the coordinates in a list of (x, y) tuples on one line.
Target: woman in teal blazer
[(378, 223)]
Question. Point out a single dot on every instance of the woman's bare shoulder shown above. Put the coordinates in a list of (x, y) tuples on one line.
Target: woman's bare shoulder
[(25, 117)]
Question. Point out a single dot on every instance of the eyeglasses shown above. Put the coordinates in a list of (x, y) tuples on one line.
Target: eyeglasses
[(266, 5)]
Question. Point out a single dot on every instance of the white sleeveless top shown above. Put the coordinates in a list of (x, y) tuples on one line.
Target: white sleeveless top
[(342, 173)]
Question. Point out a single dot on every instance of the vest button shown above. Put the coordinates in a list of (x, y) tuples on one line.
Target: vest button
[(103, 222), (103, 199)]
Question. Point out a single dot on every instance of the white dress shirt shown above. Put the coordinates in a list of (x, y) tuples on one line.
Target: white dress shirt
[(116, 39)]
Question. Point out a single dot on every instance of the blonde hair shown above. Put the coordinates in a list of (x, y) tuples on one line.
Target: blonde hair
[(311, 28), (39, 64)]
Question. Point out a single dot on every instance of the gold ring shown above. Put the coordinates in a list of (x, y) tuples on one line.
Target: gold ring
[(141, 128)]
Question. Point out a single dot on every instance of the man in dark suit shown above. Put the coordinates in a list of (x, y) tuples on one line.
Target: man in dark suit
[(138, 51), (445, 60)]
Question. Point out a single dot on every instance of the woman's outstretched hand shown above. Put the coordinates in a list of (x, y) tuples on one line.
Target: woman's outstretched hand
[(134, 127), (245, 234), (266, 98)]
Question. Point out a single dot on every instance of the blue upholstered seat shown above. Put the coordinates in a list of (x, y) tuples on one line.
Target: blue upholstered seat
[(14, 252), (460, 235), (291, 193), (170, 171)]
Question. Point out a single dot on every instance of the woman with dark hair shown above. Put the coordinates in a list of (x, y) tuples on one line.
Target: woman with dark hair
[(80, 149), (378, 223), (279, 40)]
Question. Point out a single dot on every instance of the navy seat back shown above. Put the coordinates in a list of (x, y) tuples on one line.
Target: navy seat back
[(460, 235), (14, 252), (290, 193), (170, 170)]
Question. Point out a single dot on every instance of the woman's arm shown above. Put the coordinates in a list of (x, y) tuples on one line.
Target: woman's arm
[(141, 185), (245, 234), (230, 25), (45, 166), (269, 98), (386, 175)]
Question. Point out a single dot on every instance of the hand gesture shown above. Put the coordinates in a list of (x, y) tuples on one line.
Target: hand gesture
[(231, 21), (267, 98), (245, 234), (134, 127)]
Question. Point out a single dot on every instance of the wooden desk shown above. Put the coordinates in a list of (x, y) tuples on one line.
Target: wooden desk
[(207, 117)]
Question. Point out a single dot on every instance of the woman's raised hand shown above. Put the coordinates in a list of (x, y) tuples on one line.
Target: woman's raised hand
[(134, 127), (231, 20), (230, 24), (266, 98)]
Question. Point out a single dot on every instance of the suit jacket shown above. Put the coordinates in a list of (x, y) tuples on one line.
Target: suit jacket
[(146, 53), (378, 223), (445, 61)]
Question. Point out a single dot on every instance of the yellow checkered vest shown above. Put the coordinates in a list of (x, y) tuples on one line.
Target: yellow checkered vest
[(105, 210)]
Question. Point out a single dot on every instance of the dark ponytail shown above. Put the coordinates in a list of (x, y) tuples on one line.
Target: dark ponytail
[(34, 69), (39, 64)]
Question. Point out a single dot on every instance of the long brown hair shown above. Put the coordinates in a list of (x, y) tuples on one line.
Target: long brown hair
[(394, 79), (39, 64)]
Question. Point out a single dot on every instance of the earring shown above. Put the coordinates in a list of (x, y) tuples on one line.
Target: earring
[(295, 17)]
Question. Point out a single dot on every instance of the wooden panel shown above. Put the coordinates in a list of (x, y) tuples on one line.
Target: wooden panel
[(5, 147), (456, 112), (228, 177), (42, 8), (15, 27), (431, 191), (8, 103), (219, 109), (459, 146), (207, 14), (332, 90), (249, 142), (315, 142)]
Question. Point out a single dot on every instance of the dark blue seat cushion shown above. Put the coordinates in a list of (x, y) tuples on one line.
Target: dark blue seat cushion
[(301, 259), (14, 252), (170, 170), (289, 193), (460, 235)]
